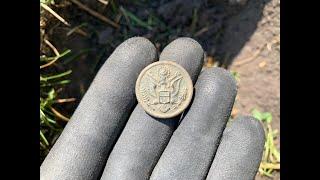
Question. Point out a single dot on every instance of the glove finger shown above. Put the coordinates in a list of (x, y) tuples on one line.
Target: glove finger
[(191, 148), (82, 149), (144, 137), (240, 151)]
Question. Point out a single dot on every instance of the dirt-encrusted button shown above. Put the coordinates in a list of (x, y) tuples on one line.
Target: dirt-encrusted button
[(164, 89)]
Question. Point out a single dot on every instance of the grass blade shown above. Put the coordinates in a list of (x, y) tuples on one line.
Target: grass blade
[(55, 59), (56, 83), (55, 76), (44, 138), (134, 18)]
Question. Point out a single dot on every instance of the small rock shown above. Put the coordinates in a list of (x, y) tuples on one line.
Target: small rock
[(262, 64)]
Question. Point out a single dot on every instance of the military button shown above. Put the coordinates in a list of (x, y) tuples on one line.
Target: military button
[(164, 89)]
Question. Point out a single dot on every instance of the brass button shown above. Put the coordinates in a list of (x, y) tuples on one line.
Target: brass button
[(164, 89)]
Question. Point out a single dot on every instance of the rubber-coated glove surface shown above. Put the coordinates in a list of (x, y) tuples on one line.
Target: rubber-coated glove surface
[(110, 136)]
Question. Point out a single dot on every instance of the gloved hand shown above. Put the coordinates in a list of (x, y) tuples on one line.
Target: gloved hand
[(111, 137)]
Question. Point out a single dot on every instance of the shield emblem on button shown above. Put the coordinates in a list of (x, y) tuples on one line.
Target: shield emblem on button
[(164, 97)]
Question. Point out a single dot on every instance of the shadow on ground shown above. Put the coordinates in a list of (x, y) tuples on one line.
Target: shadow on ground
[(221, 27), (238, 30)]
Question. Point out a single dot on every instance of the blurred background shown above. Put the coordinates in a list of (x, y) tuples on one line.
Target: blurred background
[(242, 36)]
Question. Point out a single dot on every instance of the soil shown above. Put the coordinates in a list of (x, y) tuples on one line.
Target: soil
[(240, 35), (259, 85)]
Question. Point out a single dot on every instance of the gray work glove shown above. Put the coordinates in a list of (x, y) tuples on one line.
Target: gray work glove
[(111, 137)]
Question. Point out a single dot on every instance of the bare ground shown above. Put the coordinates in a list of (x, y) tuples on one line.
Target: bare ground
[(258, 65)]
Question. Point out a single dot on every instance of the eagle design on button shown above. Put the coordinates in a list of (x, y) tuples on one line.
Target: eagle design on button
[(163, 88)]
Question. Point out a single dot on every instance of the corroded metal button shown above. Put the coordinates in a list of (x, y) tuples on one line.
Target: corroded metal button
[(164, 89)]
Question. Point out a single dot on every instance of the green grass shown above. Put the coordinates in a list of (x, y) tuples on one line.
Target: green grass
[(134, 20), (50, 128), (236, 75), (51, 83), (271, 156)]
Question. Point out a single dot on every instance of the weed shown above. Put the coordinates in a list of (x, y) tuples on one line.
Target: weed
[(271, 156), (236, 75)]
